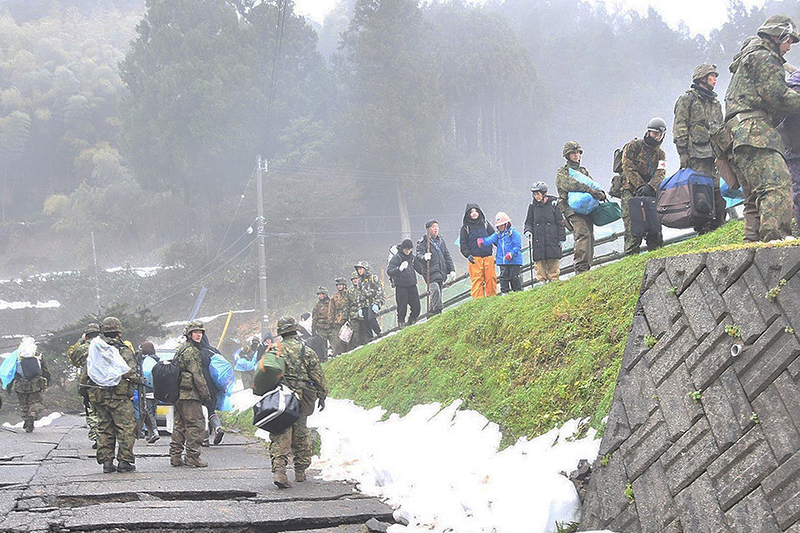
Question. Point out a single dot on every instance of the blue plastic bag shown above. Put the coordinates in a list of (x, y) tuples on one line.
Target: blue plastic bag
[(147, 370), (733, 197), (8, 369), (582, 202), (224, 403), (221, 372), (243, 364)]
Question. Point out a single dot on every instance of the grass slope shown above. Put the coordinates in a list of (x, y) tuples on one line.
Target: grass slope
[(527, 361)]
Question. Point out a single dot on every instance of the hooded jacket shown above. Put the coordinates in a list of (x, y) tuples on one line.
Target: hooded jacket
[(471, 231), (403, 278), (545, 223), (508, 241)]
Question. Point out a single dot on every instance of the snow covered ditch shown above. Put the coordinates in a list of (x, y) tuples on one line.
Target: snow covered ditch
[(442, 469)]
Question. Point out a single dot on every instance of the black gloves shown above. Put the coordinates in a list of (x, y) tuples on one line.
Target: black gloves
[(597, 194), (646, 190), (321, 403), (471, 259)]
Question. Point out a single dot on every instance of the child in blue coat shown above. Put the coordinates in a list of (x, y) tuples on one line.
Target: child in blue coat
[(508, 254)]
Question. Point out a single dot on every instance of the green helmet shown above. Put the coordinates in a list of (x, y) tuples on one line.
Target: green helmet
[(287, 324), (657, 124), (701, 71), (194, 325), (340, 281), (322, 290), (362, 264), (91, 328), (111, 324), (354, 275), (781, 27), (571, 146)]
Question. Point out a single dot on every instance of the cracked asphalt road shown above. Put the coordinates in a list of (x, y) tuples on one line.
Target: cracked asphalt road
[(50, 482)]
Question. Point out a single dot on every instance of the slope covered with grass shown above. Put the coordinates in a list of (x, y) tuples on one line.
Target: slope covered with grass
[(527, 361)]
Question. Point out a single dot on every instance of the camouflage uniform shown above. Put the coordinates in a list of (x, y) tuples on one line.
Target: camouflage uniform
[(582, 226), (302, 370), (371, 297), (189, 423), (321, 323), (757, 99), (697, 114), (116, 424), (77, 355), (355, 315), (29, 394), (337, 313), (641, 164)]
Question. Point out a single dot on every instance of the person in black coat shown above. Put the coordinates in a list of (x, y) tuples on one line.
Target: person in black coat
[(401, 270), (434, 260), (544, 227), (482, 274)]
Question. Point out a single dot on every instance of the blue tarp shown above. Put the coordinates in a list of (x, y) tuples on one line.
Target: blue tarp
[(582, 202), (222, 373), (8, 369)]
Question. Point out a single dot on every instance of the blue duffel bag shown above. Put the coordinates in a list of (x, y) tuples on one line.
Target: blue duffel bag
[(686, 200)]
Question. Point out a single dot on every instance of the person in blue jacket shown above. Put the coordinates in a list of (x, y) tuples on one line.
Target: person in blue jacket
[(508, 255)]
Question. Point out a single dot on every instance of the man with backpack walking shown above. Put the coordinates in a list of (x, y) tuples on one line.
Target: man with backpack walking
[(698, 113), (304, 375), (188, 421), (30, 382)]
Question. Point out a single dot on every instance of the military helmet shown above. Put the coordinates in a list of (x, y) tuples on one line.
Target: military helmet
[(91, 327), (657, 124), (539, 186), (701, 71), (111, 324), (287, 324), (571, 146), (322, 290), (194, 325), (354, 275), (362, 264), (501, 218), (781, 27), (340, 281)]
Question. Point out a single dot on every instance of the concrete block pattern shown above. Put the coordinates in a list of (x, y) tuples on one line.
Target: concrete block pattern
[(709, 441)]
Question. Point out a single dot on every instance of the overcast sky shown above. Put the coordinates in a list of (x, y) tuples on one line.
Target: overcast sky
[(700, 16)]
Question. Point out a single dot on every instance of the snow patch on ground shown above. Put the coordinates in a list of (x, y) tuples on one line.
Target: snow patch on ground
[(442, 470), (207, 318), (42, 422), (50, 304)]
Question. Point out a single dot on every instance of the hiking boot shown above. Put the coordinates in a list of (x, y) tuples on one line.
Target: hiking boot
[(176, 460), (205, 443), (153, 438), (218, 434), (280, 479), (125, 466), (196, 462), (300, 476), (108, 467), (94, 445)]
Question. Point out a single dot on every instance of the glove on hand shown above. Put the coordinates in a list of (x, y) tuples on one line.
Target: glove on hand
[(471, 259), (480, 242), (646, 190), (321, 403), (360, 313), (403, 265), (508, 256), (684, 160), (451, 276), (375, 308), (598, 194), (427, 256)]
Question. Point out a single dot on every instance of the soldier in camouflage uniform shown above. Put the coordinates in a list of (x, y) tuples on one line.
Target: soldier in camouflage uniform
[(337, 313), (116, 424), (304, 375), (698, 113), (189, 423), (756, 100), (582, 226), (644, 165), (321, 323), (29, 391), (372, 298), (77, 354), (355, 313)]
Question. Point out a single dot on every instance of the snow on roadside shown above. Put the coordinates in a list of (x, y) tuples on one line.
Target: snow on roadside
[(442, 470), (50, 304), (42, 422)]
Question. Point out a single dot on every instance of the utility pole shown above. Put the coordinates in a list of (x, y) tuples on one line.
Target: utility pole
[(96, 278), (262, 249)]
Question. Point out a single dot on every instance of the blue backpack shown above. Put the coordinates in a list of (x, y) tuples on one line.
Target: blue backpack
[(686, 200)]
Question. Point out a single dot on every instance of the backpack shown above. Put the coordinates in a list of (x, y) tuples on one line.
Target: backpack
[(686, 200), (393, 249), (616, 168), (269, 371), (30, 367), (167, 381)]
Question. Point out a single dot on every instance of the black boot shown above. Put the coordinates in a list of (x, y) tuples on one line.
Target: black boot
[(108, 467), (215, 428), (125, 466), (28, 425)]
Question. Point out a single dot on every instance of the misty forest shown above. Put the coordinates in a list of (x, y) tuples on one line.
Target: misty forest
[(130, 131)]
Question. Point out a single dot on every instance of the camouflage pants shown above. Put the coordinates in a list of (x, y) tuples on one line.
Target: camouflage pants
[(30, 405), (767, 185), (91, 420), (188, 428), (707, 167), (583, 233), (115, 429), (330, 334), (295, 440), (632, 244)]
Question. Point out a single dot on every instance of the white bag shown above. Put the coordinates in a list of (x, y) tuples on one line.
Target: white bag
[(104, 364), (345, 332)]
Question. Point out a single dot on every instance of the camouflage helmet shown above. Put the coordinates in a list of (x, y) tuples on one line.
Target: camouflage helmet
[(701, 71), (340, 281), (781, 27), (571, 146), (361, 264), (111, 324), (91, 328), (194, 325), (657, 124), (539, 186), (287, 324), (354, 275), (322, 290)]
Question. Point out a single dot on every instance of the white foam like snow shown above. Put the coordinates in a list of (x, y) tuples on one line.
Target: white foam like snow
[(42, 422), (28, 305)]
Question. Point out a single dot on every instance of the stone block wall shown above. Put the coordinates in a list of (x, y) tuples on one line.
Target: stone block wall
[(699, 440)]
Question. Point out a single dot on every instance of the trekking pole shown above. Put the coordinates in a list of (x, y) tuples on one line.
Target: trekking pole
[(428, 276), (530, 256)]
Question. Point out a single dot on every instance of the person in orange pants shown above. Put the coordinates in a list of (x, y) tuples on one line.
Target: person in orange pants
[(481, 260)]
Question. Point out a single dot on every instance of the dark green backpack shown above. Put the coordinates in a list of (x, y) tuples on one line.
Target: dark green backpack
[(269, 371)]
